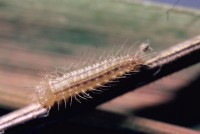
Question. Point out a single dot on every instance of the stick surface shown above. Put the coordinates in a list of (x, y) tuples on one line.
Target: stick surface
[(169, 61)]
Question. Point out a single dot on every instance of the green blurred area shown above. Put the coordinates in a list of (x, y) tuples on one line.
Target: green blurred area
[(66, 25)]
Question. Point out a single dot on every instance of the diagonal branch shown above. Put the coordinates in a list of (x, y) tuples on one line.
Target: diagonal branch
[(167, 62)]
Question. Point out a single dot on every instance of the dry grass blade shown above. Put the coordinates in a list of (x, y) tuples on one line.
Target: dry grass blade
[(169, 61)]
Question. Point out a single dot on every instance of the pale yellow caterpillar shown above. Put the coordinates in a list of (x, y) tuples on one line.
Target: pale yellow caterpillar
[(76, 84)]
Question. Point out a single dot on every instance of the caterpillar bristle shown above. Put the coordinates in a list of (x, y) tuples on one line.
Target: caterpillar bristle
[(64, 85)]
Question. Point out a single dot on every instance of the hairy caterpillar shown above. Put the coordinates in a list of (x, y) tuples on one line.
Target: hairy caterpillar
[(76, 84)]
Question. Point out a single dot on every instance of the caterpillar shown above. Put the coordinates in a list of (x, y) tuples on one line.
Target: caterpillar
[(76, 84)]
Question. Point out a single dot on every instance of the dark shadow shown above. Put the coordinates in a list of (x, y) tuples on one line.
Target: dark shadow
[(183, 110), (93, 122), (4, 111)]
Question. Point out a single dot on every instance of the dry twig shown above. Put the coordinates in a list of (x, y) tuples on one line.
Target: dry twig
[(169, 61)]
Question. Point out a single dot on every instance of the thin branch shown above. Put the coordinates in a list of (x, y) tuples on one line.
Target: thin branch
[(169, 61)]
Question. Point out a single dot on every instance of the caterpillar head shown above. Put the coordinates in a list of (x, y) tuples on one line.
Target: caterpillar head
[(44, 95)]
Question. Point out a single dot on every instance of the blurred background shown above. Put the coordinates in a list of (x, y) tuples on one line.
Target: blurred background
[(36, 36)]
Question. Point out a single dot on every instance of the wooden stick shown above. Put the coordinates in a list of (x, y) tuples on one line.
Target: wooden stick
[(169, 61)]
